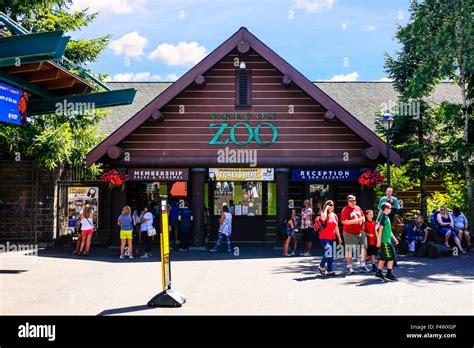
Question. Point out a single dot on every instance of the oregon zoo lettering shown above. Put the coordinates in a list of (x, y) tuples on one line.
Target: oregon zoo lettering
[(251, 134)]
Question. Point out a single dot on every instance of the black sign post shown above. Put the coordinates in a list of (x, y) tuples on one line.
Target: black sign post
[(167, 297)]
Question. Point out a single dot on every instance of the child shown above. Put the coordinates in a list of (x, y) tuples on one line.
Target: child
[(290, 232), (225, 229), (387, 251), (369, 229)]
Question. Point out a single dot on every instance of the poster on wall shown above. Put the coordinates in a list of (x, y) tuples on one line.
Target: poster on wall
[(77, 198), (241, 174), (13, 104)]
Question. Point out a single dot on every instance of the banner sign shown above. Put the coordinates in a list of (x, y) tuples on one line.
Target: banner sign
[(78, 197), (241, 174), (324, 174), (158, 174), (13, 104)]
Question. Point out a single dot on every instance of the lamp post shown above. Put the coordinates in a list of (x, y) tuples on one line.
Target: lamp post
[(387, 122)]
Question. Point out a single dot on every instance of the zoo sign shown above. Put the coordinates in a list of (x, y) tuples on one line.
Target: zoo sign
[(252, 133)]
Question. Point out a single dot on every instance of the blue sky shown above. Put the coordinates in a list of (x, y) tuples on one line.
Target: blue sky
[(324, 39)]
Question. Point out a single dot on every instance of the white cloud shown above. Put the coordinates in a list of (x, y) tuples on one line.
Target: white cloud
[(353, 76), (141, 77), (386, 79), (115, 7), (369, 28), (344, 25), (130, 44), (182, 54), (172, 77), (311, 6), (135, 77)]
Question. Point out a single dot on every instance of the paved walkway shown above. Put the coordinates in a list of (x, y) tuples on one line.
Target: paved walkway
[(258, 281)]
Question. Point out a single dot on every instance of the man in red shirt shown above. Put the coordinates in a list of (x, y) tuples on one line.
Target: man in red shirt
[(352, 218)]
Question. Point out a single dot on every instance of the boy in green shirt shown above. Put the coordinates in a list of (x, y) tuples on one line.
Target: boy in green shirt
[(386, 249)]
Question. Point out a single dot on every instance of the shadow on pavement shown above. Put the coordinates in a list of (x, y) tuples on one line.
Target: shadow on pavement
[(448, 270), (103, 254), (122, 310), (12, 271)]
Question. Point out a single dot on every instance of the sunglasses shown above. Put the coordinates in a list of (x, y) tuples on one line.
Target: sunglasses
[(352, 201), (331, 205)]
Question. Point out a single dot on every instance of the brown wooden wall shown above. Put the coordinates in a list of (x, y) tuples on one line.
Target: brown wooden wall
[(411, 198), (304, 133)]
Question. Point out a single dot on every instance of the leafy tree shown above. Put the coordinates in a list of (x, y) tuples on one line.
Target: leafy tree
[(55, 140), (437, 45), (412, 136)]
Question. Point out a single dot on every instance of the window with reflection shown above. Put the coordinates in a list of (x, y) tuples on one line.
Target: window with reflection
[(242, 198)]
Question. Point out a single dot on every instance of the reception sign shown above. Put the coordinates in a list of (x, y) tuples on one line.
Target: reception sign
[(158, 174), (241, 174), (324, 174)]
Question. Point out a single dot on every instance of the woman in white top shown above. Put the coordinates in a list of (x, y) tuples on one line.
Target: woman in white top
[(87, 229), (147, 223)]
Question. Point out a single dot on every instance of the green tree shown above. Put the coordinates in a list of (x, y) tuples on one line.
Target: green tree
[(437, 45), (412, 136), (56, 140)]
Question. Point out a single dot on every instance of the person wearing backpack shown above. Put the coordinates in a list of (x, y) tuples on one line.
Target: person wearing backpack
[(126, 224), (327, 237)]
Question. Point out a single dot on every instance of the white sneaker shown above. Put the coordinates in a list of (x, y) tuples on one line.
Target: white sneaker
[(131, 257), (144, 256), (122, 257)]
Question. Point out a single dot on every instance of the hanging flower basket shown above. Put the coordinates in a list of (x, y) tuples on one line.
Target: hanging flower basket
[(371, 179), (114, 178)]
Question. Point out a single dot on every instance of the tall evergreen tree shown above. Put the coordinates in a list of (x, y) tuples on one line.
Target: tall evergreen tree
[(437, 45)]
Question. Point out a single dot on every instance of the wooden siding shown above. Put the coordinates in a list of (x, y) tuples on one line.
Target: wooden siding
[(302, 133)]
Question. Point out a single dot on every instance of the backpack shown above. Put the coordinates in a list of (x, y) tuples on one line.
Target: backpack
[(434, 219)]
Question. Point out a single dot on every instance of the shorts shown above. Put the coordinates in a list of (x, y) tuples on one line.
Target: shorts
[(126, 234), (387, 252), (355, 239), (457, 230), (86, 232), (372, 250), (175, 225), (444, 230), (289, 231), (307, 234)]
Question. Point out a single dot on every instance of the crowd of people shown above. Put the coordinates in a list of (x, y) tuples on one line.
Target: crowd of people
[(371, 238)]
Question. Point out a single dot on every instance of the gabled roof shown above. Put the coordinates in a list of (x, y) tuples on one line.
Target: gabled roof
[(214, 57), (361, 98)]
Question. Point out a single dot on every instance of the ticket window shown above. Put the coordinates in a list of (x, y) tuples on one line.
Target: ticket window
[(319, 194), (242, 198)]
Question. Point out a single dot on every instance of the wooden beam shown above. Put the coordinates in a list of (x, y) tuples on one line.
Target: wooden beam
[(371, 153), (115, 152), (200, 80), (44, 75), (243, 47), (287, 80), (329, 115), (58, 84), (24, 85), (158, 116), (25, 68)]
